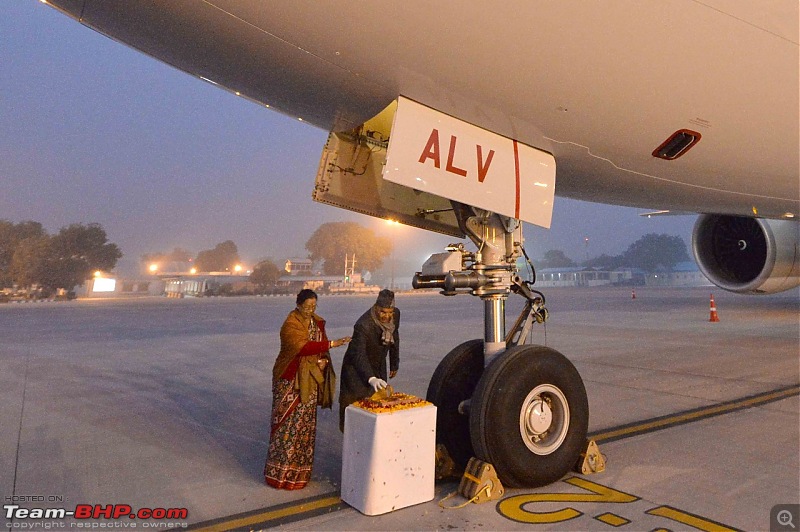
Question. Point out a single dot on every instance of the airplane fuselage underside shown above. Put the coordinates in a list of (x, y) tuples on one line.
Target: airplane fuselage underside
[(598, 85)]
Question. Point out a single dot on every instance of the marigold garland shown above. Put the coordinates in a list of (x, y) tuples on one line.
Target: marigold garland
[(398, 401)]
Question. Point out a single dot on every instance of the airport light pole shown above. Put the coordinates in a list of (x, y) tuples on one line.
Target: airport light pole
[(586, 241), (391, 251)]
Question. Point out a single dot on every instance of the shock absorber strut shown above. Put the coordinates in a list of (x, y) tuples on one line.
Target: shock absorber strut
[(489, 273)]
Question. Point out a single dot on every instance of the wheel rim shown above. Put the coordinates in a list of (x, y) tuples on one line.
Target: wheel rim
[(544, 419)]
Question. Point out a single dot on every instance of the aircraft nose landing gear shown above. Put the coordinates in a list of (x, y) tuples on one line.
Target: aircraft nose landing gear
[(527, 413)]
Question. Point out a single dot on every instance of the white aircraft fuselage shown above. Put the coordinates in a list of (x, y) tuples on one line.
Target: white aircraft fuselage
[(600, 85)]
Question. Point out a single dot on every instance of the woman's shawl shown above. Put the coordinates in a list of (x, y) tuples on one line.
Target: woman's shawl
[(309, 377), (294, 335)]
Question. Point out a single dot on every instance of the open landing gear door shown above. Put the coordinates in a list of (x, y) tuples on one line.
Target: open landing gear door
[(410, 161), (437, 153), (349, 177)]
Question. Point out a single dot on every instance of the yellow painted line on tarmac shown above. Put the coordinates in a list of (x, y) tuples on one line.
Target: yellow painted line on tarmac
[(694, 415), (692, 520), (612, 519), (268, 516), (519, 507)]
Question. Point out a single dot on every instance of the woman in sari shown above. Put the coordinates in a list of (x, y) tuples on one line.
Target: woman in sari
[(302, 379)]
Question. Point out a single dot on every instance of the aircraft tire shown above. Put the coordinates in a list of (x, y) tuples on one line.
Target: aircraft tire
[(453, 382), (529, 416)]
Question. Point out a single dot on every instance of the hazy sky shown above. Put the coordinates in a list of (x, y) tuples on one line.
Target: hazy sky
[(93, 131)]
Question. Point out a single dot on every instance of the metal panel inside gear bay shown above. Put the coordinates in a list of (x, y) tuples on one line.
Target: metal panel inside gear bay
[(350, 177)]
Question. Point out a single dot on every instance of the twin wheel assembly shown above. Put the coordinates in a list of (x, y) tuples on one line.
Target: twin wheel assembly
[(526, 413), (519, 407)]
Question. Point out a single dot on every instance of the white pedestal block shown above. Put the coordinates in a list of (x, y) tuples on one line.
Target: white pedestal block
[(388, 460)]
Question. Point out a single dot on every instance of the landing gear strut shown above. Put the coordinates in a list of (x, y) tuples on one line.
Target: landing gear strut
[(522, 408)]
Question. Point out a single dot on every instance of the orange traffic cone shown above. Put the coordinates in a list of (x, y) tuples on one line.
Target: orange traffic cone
[(714, 316), (633, 293)]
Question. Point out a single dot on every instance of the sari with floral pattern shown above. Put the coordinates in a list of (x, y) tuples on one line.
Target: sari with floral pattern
[(293, 428)]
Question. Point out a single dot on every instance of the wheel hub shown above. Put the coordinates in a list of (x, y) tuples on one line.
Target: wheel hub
[(539, 417), (544, 419)]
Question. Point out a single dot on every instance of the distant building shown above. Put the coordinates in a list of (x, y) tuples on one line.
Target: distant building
[(329, 284), (291, 284), (213, 283), (628, 277), (572, 276), (298, 266), (682, 274), (300, 274), (108, 286)]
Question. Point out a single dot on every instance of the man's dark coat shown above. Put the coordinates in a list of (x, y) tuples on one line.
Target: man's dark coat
[(365, 358)]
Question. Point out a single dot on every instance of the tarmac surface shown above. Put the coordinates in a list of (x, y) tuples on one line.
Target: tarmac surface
[(164, 403)]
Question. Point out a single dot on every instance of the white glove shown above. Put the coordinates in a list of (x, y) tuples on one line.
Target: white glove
[(377, 384)]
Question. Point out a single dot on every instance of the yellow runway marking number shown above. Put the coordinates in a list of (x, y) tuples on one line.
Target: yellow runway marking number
[(685, 518), (514, 507), (518, 507)]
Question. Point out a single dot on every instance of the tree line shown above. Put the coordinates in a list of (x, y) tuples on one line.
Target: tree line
[(221, 258), (331, 241), (30, 256), (651, 253), (327, 245)]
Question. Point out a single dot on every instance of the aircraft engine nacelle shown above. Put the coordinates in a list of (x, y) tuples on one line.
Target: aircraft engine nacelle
[(748, 255)]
